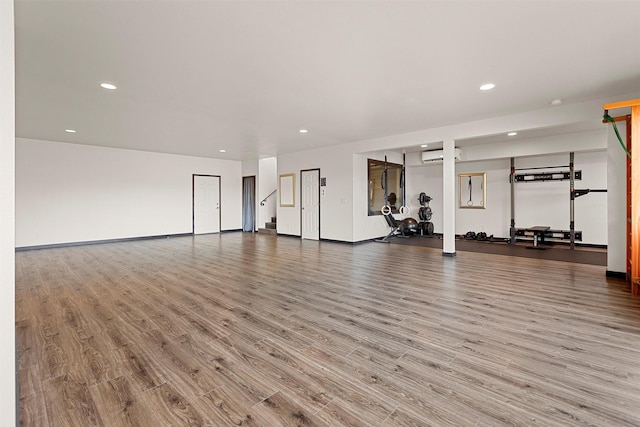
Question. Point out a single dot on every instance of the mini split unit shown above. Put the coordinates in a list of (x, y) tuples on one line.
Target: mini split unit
[(438, 155)]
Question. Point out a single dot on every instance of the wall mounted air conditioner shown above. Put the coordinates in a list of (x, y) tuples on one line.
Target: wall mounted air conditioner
[(438, 155)]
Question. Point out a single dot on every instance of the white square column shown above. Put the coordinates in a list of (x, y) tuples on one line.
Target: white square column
[(449, 199)]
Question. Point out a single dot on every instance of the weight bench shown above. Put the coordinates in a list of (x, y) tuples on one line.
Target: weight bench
[(393, 223), (539, 233)]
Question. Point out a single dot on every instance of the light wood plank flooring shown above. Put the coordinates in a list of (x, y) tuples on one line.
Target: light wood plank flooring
[(241, 329)]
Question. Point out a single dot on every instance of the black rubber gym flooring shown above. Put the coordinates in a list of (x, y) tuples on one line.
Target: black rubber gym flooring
[(581, 255)]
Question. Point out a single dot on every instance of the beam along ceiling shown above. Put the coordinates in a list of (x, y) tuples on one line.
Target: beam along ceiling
[(196, 77)]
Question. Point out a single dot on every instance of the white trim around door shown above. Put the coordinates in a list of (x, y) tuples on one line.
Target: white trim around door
[(310, 204), (205, 204)]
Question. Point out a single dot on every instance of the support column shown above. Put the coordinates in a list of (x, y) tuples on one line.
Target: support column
[(449, 199)]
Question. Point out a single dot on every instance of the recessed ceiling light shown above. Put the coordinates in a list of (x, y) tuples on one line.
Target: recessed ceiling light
[(108, 86), (223, 151), (487, 86), (70, 130), (303, 131), (424, 145), (556, 102), (512, 133)]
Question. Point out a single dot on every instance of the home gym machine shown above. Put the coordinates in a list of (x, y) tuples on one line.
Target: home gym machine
[(633, 183), (539, 233)]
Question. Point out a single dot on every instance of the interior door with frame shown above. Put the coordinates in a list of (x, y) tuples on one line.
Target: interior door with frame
[(310, 204), (206, 204)]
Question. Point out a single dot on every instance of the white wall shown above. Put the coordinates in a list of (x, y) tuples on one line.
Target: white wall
[(74, 193), (617, 201), (548, 117), (336, 203), (7, 216), (494, 219), (580, 141), (267, 182), (249, 168)]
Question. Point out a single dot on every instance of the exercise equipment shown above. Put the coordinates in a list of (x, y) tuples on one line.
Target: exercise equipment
[(547, 176), (426, 228), (408, 226), (385, 209), (483, 236), (424, 214), (539, 233), (480, 236), (470, 235), (470, 201), (582, 192), (572, 198), (633, 183), (404, 209), (395, 229), (607, 118), (389, 206), (399, 228)]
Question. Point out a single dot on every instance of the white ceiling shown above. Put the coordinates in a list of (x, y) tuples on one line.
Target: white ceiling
[(197, 77)]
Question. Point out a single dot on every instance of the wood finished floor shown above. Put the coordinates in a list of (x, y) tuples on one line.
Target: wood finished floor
[(245, 329)]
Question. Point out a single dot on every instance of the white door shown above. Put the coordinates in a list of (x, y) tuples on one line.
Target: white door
[(206, 204), (310, 204)]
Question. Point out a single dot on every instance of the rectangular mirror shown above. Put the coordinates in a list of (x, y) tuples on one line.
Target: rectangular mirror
[(286, 189), (473, 190), (376, 188)]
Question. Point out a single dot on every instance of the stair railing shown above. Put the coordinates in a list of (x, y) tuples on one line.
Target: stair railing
[(265, 199)]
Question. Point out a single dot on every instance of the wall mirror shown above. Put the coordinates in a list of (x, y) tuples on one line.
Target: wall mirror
[(473, 190), (286, 189), (376, 193)]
